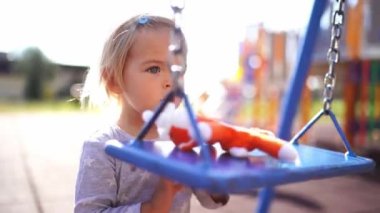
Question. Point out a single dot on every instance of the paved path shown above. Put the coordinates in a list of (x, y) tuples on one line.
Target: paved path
[(39, 158)]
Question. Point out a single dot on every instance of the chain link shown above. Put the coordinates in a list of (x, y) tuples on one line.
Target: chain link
[(177, 63), (333, 55), (177, 7)]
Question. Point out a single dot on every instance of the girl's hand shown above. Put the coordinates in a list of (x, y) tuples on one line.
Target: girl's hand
[(163, 197), (220, 198)]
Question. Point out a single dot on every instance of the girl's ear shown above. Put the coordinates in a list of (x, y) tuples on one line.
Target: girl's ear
[(110, 82)]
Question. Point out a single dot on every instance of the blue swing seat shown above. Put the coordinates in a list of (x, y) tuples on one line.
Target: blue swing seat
[(227, 174)]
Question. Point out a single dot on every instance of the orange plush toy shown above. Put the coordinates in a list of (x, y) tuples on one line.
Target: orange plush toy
[(174, 124)]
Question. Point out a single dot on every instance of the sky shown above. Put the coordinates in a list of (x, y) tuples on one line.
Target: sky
[(73, 31)]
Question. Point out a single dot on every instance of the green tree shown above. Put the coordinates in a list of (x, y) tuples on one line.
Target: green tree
[(38, 70)]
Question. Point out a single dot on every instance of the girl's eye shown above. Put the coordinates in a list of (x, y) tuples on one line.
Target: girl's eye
[(154, 69)]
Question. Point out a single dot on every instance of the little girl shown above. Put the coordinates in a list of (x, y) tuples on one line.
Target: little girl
[(134, 72)]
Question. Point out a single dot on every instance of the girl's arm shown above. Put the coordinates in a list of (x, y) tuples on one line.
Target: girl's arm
[(162, 198), (96, 186)]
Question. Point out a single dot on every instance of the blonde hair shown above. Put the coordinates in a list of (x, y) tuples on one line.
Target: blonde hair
[(114, 58)]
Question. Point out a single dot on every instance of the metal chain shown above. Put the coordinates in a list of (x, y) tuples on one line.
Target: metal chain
[(177, 63), (333, 55)]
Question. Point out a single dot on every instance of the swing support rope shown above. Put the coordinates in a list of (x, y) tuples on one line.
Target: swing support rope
[(333, 57)]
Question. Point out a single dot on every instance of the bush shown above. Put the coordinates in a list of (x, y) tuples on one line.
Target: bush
[(38, 70)]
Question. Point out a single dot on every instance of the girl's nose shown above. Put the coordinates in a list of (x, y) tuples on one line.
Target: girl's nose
[(167, 84)]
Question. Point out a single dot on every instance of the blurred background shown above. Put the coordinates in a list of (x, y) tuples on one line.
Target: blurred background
[(248, 48)]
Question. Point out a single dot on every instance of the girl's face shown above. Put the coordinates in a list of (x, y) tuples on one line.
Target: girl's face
[(147, 78)]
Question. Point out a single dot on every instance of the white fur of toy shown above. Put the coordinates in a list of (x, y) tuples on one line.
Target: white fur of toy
[(171, 116)]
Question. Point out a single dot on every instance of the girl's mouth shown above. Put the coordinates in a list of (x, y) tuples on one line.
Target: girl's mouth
[(176, 100)]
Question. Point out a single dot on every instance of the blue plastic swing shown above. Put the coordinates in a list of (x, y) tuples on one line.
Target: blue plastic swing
[(214, 170), (223, 173)]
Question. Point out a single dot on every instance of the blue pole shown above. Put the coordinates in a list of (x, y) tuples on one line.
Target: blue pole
[(297, 79), (293, 93), (265, 198)]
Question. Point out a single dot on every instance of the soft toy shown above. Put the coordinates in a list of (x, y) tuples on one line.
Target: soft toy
[(174, 124)]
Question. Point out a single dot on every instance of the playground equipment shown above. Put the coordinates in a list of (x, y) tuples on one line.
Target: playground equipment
[(253, 93), (222, 173), (362, 95), (362, 83)]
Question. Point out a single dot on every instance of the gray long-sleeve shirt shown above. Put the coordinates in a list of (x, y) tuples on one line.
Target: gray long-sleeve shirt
[(107, 184)]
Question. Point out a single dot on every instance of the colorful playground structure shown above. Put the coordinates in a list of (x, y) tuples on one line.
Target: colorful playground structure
[(267, 58)]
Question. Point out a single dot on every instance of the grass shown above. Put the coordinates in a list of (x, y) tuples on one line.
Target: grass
[(39, 106)]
